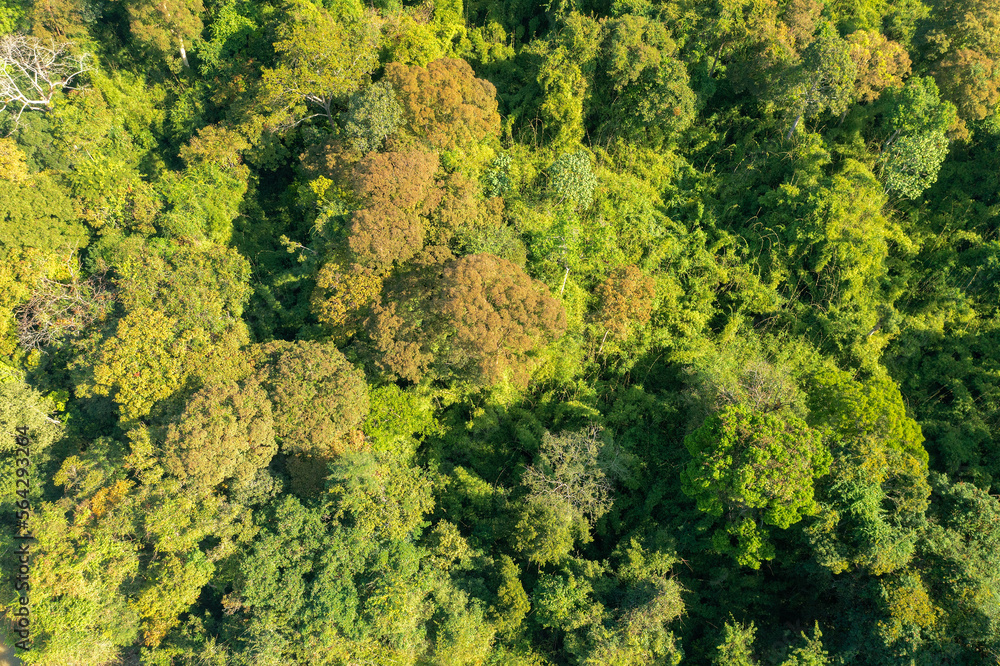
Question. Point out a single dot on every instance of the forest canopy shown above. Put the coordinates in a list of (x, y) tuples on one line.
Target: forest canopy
[(474, 333)]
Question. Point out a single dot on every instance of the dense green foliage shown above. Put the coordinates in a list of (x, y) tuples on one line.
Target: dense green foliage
[(585, 333)]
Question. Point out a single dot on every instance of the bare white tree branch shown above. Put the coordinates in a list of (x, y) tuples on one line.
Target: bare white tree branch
[(33, 71)]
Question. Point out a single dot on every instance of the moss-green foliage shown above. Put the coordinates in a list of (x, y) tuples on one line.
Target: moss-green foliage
[(24, 412), (225, 432), (108, 133), (398, 420), (37, 213), (617, 613), (10, 15), (373, 115), (643, 91), (755, 469), (577, 333), (24, 407), (322, 56), (140, 365), (962, 539), (573, 180), (203, 287), (203, 200), (319, 397)]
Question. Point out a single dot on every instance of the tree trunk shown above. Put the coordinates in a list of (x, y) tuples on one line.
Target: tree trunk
[(812, 89), (328, 107), (602, 341), (891, 139), (715, 61), (794, 125), (184, 55)]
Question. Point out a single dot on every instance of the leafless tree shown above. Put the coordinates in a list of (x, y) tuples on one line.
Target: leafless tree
[(57, 309), (570, 468), (33, 71)]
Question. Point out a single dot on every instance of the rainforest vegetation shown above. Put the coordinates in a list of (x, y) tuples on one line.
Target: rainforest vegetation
[(579, 332)]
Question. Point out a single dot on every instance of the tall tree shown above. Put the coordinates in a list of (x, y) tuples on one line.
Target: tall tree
[(167, 24), (397, 188), (320, 401), (374, 114), (963, 41), (822, 81), (226, 432), (881, 63), (644, 92), (874, 501), (205, 286), (140, 365), (915, 137), (626, 301), (481, 320), (754, 469), (204, 199), (322, 58), (444, 104)]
